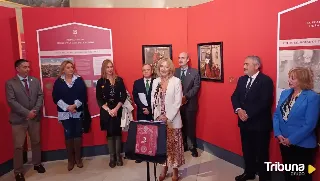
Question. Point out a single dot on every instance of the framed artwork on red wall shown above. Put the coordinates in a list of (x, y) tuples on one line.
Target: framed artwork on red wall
[(151, 54), (210, 61)]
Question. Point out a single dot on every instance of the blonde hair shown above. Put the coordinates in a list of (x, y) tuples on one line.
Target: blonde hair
[(304, 77), (104, 67), (170, 65), (63, 66)]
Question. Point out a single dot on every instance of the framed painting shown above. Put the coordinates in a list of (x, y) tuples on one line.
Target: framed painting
[(151, 54), (210, 61)]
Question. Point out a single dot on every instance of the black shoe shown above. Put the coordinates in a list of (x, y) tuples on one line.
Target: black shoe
[(39, 168), (194, 152), (20, 177), (138, 161), (185, 148), (245, 177)]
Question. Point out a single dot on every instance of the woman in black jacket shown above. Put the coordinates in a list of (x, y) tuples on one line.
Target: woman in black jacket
[(111, 94)]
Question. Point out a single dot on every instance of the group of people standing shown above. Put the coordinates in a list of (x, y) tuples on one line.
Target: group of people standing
[(171, 98), (294, 121)]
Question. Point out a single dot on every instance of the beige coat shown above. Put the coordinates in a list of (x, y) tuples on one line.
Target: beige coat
[(173, 102)]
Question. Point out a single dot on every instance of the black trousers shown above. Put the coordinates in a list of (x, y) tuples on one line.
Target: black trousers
[(189, 127), (255, 148), (297, 155)]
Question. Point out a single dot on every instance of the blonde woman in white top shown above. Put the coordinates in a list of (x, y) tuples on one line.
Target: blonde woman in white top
[(166, 99)]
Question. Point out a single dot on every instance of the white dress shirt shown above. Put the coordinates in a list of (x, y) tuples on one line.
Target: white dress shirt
[(21, 79), (64, 106), (253, 79), (185, 71), (145, 81)]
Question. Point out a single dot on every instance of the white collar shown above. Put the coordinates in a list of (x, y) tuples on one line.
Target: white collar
[(74, 77), (184, 68), (21, 78), (255, 75)]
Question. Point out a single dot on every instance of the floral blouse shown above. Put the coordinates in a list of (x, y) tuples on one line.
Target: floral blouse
[(287, 106)]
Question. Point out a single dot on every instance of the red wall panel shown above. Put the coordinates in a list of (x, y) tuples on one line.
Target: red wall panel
[(245, 28), (248, 28), (131, 28), (9, 51), (33, 19), (167, 26), (126, 26)]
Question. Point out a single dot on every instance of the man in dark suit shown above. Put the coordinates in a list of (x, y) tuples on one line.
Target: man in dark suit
[(190, 80), (25, 98), (252, 101), (142, 88)]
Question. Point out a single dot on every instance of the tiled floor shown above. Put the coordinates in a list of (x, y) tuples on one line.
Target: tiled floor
[(204, 168)]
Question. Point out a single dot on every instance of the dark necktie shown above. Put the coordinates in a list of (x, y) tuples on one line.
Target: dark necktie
[(183, 75), (26, 85), (147, 86), (248, 86)]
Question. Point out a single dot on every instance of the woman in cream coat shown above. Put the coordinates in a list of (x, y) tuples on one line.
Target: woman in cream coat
[(166, 98)]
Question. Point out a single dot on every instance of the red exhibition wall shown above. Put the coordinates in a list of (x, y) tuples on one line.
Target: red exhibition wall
[(131, 28), (245, 29), (9, 51)]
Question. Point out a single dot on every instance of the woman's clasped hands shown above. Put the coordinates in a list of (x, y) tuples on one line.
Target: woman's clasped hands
[(284, 141)]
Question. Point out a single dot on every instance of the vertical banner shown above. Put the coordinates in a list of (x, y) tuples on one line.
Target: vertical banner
[(85, 45), (299, 42), (23, 46)]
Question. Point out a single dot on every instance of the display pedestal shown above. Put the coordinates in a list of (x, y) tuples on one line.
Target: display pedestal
[(138, 139), (148, 172)]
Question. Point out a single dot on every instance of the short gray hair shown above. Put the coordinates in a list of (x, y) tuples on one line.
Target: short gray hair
[(256, 60)]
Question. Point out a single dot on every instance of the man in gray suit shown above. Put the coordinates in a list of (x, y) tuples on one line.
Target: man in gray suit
[(190, 80), (25, 98)]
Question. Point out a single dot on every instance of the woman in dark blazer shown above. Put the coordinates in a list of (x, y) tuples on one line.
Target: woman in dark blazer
[(295, 120), (111, 94), (70, 94)]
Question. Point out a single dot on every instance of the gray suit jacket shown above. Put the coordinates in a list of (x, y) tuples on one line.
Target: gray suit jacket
[(191, 87), (20, 102)]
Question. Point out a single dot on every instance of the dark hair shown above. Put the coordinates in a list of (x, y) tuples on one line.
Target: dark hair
[(147, 64), (19, 62)]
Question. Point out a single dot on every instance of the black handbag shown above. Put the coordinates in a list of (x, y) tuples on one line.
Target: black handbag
[(85, 116), (134, 146), (86, 119)]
